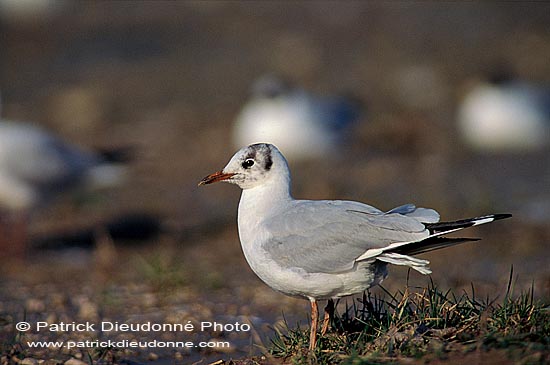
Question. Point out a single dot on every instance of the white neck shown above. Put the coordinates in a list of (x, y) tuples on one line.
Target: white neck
[(260, 202)]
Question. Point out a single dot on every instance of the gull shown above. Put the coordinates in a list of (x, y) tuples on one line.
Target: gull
[(505, 114), (325, 249), (35, 167), (304, 125)]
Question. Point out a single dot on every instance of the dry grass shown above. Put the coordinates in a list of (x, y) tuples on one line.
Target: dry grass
[(426, 323)]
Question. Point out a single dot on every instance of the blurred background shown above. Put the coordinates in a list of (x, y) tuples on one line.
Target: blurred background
[(168, 80)]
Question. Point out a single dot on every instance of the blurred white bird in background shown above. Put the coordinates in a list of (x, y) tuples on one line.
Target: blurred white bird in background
[(303, 125), (505, 115), (36, 166)]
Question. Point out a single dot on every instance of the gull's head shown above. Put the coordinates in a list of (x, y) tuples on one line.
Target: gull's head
[(252, 166)]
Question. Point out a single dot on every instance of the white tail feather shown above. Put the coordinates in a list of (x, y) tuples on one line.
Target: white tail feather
[(397, 259), (373, 252)]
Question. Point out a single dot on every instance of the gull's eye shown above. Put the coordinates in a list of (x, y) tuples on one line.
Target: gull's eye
[(248, 163)]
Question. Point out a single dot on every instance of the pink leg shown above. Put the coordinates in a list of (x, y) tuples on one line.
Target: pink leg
[(329, 313), (314, 320)]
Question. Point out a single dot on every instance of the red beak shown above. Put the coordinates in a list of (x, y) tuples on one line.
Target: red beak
[(215, 177)]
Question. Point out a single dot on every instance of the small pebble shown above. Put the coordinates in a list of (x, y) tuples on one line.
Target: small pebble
[(74, 361), (29, 361), (53, 362), (35, 305), (88, 311)]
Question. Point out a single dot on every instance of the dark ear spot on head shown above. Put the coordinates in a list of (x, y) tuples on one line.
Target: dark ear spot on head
[(268, 161), (264, 150)]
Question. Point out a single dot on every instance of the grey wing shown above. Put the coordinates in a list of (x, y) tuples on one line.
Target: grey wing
[(423, 215), (328, 236)]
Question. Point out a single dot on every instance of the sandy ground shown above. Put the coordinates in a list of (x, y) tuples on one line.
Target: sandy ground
[(169, 78)]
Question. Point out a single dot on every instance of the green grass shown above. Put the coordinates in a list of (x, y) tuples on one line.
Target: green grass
[(162, 271), (420, 322)]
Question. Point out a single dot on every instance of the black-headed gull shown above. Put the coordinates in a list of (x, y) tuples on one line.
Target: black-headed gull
[(35, 166), (505, 114), (302, 124), (325, 249)]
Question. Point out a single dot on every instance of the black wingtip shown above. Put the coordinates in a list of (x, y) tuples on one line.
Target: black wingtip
[(501, 216), (431, 244), (465, 223)]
